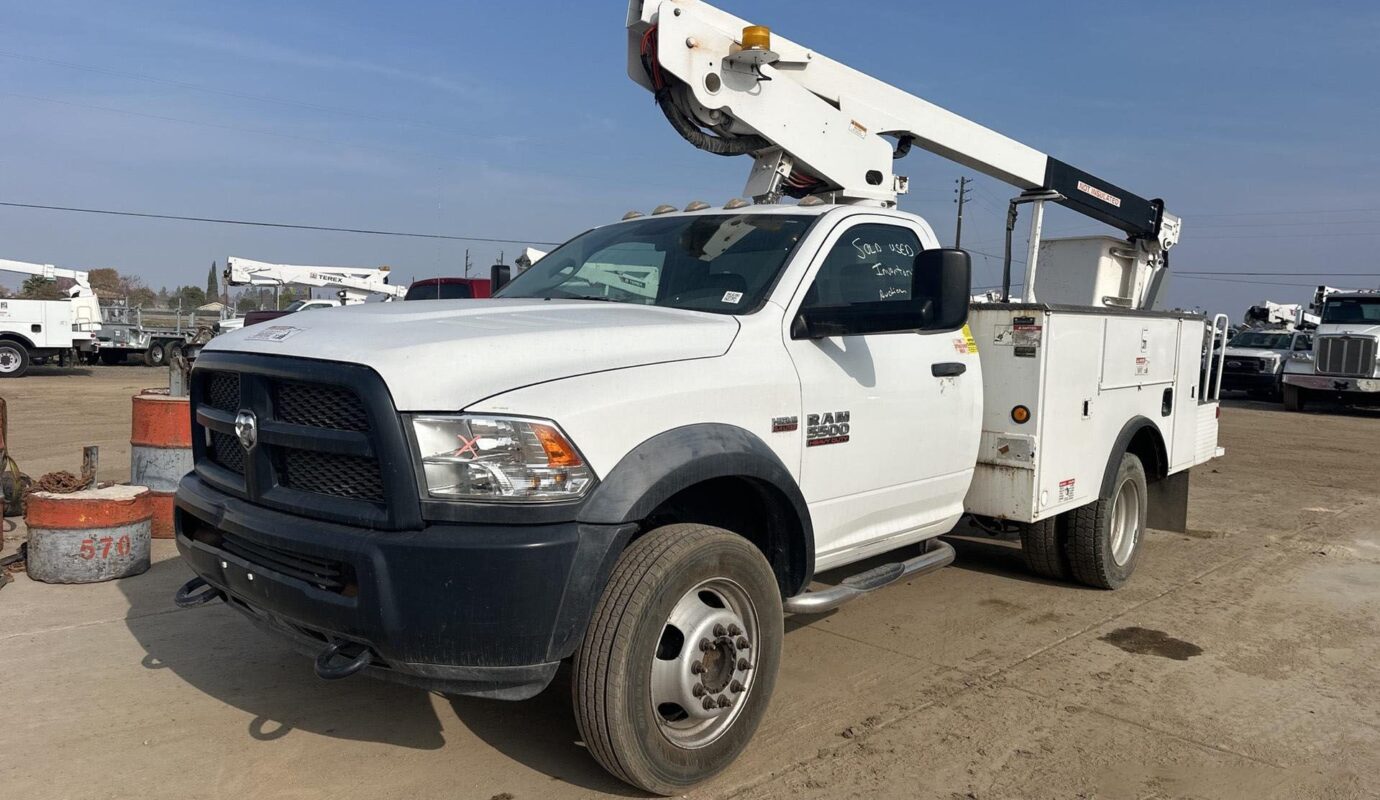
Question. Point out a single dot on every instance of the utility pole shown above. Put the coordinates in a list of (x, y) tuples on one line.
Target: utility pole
[(962, 192), (467, 262)]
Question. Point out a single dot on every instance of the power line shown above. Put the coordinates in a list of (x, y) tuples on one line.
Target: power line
[(259, 224), (1253, 283), (1300, 274)]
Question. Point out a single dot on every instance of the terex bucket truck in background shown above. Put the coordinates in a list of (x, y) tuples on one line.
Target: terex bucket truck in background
[(32, 329), (352, 284), (642, 451)]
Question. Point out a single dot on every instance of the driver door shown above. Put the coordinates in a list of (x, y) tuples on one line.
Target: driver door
[(891, 420)]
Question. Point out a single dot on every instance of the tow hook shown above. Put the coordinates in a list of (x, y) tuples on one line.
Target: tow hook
[(341, 660), (186, 599)]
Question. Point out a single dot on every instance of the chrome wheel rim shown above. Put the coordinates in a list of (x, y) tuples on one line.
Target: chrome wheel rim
[(9, 359), (1126, 516), (703, 667)]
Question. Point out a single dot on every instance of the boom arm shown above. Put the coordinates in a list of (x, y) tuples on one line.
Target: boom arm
[(51, 273), (815, 126), (355, 282)]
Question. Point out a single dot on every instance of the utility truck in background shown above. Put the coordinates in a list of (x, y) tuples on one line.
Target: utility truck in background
[(1344, 364), (43, 329), (352, 284), (642, 453)]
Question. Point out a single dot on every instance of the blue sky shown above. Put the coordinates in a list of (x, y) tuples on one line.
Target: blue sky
[(1256, 121)]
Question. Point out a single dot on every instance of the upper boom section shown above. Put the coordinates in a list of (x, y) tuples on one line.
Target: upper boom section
[(50, 272), (815, 126), (354, 280)]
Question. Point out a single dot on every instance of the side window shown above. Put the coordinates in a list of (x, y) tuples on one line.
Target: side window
[(870, 264), (1303, 343)]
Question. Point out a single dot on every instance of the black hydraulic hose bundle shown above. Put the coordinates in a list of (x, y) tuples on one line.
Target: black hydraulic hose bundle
[(684, 125)]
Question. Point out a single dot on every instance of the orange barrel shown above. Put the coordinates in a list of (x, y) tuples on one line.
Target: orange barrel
[(88, 536), (160, 452)]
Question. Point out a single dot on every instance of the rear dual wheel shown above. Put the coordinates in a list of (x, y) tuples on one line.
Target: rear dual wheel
[(1098, 544), (678, 665)]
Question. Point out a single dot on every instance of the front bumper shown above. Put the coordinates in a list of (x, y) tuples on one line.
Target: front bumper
[(487, 610), (1249, 381), (1329, 383)]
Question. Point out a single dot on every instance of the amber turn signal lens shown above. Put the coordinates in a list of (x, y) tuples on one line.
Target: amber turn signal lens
[(756, 37), (1020, 415), (559, 452)]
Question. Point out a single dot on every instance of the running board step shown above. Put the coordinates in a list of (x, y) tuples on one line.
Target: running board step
[(940, 554)]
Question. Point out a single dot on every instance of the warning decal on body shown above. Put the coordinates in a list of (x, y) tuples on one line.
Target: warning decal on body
[(1142, 365), (1066, 487), (275, 333)]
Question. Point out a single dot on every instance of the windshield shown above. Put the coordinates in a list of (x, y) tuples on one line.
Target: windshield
[(1352, 311), (439, 291), (722, 263), (1270, 341)]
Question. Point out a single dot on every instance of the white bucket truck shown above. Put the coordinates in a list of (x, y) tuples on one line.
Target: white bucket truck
[(643, 450)]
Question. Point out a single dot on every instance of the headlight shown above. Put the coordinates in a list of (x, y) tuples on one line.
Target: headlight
[(509, 459), (1301, 355)]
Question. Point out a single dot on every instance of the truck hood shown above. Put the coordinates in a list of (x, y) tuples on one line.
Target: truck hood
[(443, 355), (1348, 330), (1254, 352)]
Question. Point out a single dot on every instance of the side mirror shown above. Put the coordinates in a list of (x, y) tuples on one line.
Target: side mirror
[(499, 275), (944, 275)]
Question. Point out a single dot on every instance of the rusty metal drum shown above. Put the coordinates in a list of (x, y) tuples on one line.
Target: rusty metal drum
[(160, 452), (89, 535)]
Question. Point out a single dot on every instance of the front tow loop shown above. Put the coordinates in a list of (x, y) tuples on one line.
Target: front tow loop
[(188, 597), (341, 660)]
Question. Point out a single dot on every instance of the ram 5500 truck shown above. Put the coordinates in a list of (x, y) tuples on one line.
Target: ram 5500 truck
[(640, 452)]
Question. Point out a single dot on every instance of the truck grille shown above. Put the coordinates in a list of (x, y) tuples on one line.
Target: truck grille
[(1245, 364), (330, 474), (1353, 356), (329, 443)]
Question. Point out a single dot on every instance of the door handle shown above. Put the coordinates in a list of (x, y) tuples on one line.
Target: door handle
[(948, 369)]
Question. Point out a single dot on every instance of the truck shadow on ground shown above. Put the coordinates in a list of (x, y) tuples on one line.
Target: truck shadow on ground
[(224, 656), (1230, 401)]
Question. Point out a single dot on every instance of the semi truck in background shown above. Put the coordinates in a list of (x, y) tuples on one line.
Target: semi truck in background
[(645, 477), (1344, 364)]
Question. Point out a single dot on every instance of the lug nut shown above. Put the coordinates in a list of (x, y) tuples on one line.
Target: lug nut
[(706, 645), (743, 643), (734, 630), (724, 702), (698, 690), (696, 668), (744, 664), (719, 629), (736, 687), (709, 704)]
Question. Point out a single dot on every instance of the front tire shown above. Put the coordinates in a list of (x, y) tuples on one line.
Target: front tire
[(14, 359), (1294, 398), (666, 693), (1105, 536)]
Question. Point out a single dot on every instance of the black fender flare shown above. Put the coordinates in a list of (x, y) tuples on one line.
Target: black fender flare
[(1123, 442), (669, 462)]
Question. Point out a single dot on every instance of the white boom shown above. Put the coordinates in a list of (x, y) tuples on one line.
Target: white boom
[(50, 272), (354, 283), (816, 127)]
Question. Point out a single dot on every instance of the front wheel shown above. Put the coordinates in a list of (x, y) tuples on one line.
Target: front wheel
[(14, 359), (1294, 398), (678, 664), (1105, 536)]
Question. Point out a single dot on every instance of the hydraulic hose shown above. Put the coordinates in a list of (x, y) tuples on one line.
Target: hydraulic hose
[(690, 132)]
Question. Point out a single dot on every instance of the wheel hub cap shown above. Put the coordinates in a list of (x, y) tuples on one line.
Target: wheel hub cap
[(702, 671)]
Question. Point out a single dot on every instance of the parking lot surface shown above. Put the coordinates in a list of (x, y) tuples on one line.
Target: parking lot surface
[(1242, 661)]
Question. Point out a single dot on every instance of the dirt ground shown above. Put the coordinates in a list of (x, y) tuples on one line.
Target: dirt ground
[(1242, 661)]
